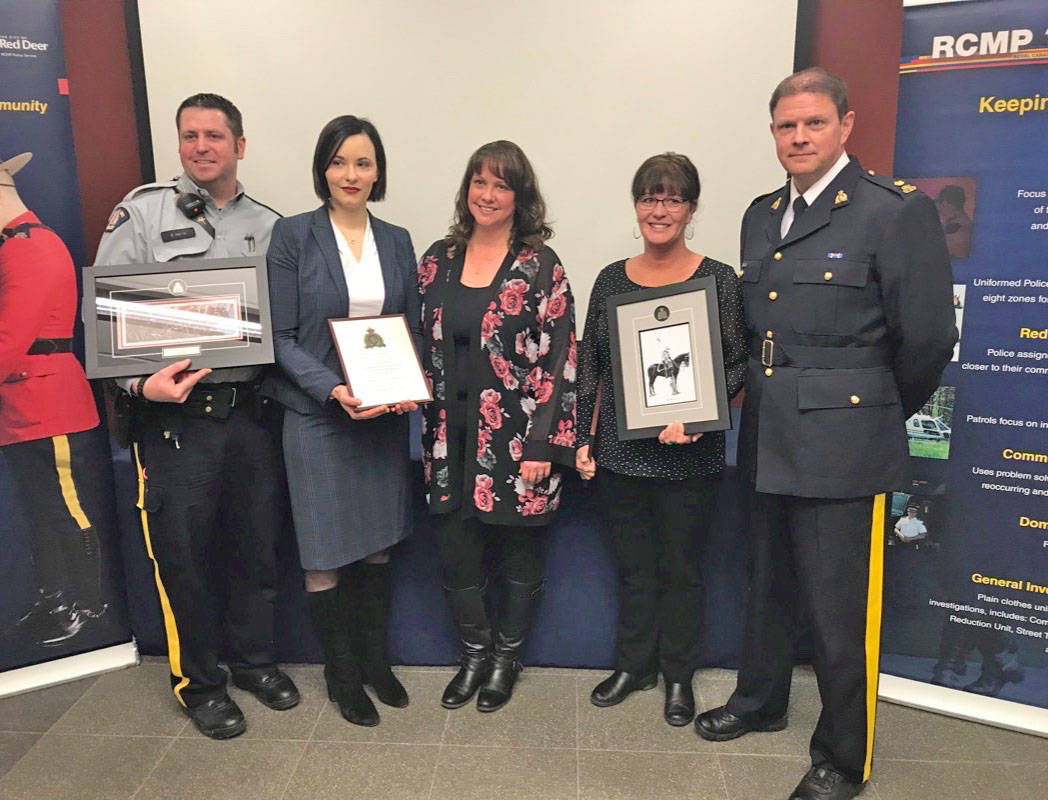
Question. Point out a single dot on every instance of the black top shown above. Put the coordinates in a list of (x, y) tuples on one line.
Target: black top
[(468, 304), (520, 384), (648, 457)]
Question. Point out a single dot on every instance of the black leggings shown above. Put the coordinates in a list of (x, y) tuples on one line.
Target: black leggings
[(461, 544)]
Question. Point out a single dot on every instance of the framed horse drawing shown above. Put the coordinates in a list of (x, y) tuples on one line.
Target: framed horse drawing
[(666, 349)]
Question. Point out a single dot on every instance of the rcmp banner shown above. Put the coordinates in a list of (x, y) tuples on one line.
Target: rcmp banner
[(62, 611), (965, 626)]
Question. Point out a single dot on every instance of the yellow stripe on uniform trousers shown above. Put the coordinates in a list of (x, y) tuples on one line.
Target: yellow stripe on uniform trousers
[(174, 647), (873, 624), (64, 467)]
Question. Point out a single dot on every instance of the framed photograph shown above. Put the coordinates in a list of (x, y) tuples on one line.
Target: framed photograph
[(379, 360), (140, 317), (668, 362)]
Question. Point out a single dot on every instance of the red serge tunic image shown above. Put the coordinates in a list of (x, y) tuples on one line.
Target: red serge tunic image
[(40, 395)]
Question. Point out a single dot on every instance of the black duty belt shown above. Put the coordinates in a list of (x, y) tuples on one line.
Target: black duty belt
[(773, 353), (46, 347), (217, 400)]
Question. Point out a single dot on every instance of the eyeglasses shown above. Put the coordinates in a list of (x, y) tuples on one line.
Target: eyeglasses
[(648, 202)]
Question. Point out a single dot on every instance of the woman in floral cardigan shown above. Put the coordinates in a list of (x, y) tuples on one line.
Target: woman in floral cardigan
[(499, 326)]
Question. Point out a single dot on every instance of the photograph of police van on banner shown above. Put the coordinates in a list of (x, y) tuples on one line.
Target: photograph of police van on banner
[(138, 317), (379, 360), (668, 361)]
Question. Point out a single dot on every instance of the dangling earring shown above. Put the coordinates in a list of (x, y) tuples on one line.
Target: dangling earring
[(689, 230), (636, 232)]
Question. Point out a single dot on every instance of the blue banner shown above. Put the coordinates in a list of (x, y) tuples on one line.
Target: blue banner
[(81, 609), (966, 584)]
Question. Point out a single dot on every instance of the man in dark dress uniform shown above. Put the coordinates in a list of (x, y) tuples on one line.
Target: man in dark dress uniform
[(848, 301)]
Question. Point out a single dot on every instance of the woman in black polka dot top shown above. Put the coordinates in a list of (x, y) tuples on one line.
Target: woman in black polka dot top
[(657, 494)]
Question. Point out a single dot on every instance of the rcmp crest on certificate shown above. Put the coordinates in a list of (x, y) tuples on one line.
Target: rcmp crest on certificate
[(379, 360)]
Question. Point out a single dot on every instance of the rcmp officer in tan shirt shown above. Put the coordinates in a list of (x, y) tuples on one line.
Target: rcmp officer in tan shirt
[(208, 469), (847, 293)]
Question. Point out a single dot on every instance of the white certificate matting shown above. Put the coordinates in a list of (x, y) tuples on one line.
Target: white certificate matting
[(379, 360)]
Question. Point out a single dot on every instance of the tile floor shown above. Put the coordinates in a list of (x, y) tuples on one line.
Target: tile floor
[(122, 736)]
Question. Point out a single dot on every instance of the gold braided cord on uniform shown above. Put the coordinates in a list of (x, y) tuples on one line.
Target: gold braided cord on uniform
[(64, 468), (874, 598), (174, 647)]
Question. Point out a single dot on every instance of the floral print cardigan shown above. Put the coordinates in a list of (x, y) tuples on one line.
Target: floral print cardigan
[(521, 404)]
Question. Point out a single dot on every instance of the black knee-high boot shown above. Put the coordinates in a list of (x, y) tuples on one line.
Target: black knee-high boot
[(86, 570), (369, 594), (471, 619), (340, 665), (512, 631)]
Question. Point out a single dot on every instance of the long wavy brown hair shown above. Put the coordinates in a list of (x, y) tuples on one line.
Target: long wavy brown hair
[(508, 161)]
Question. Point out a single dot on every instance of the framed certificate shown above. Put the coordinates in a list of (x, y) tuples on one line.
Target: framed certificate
[(668, 361), (379, 360), (140, 317)]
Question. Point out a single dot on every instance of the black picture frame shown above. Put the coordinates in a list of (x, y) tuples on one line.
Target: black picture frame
[(671, 333), (141, 317)]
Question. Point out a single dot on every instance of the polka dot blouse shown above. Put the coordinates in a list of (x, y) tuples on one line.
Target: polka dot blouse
[(647, 457)]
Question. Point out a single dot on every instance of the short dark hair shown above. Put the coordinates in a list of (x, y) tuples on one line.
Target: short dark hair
[(328, 144), (667, 173), (508, 161), (217, 102), (816, 80), (953, 194)]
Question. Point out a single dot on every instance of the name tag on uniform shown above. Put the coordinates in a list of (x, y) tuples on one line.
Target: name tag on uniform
[(177, 233)]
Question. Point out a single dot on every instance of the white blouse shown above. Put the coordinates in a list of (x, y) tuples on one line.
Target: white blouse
[(367, 290)]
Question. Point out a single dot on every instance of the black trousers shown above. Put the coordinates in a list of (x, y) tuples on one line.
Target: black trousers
[(220, 491), (462, 544), (658, 529), (65, 484), (823, 558)]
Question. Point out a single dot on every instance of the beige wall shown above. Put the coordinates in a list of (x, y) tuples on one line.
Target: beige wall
[(588, 89)]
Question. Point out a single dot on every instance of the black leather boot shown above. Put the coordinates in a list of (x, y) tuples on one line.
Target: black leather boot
[(514, 622), (340, 665), (471, 618), (87, 573), (51, 620), (370, 596)]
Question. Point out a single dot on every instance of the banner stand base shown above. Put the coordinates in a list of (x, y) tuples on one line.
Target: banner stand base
[(71, 668), (964, 705)]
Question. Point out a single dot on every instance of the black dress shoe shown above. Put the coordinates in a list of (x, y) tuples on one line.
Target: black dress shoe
[(680, 704), (826, 783), (220, 718), (273, 688), (618, 686), (720, 725)]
